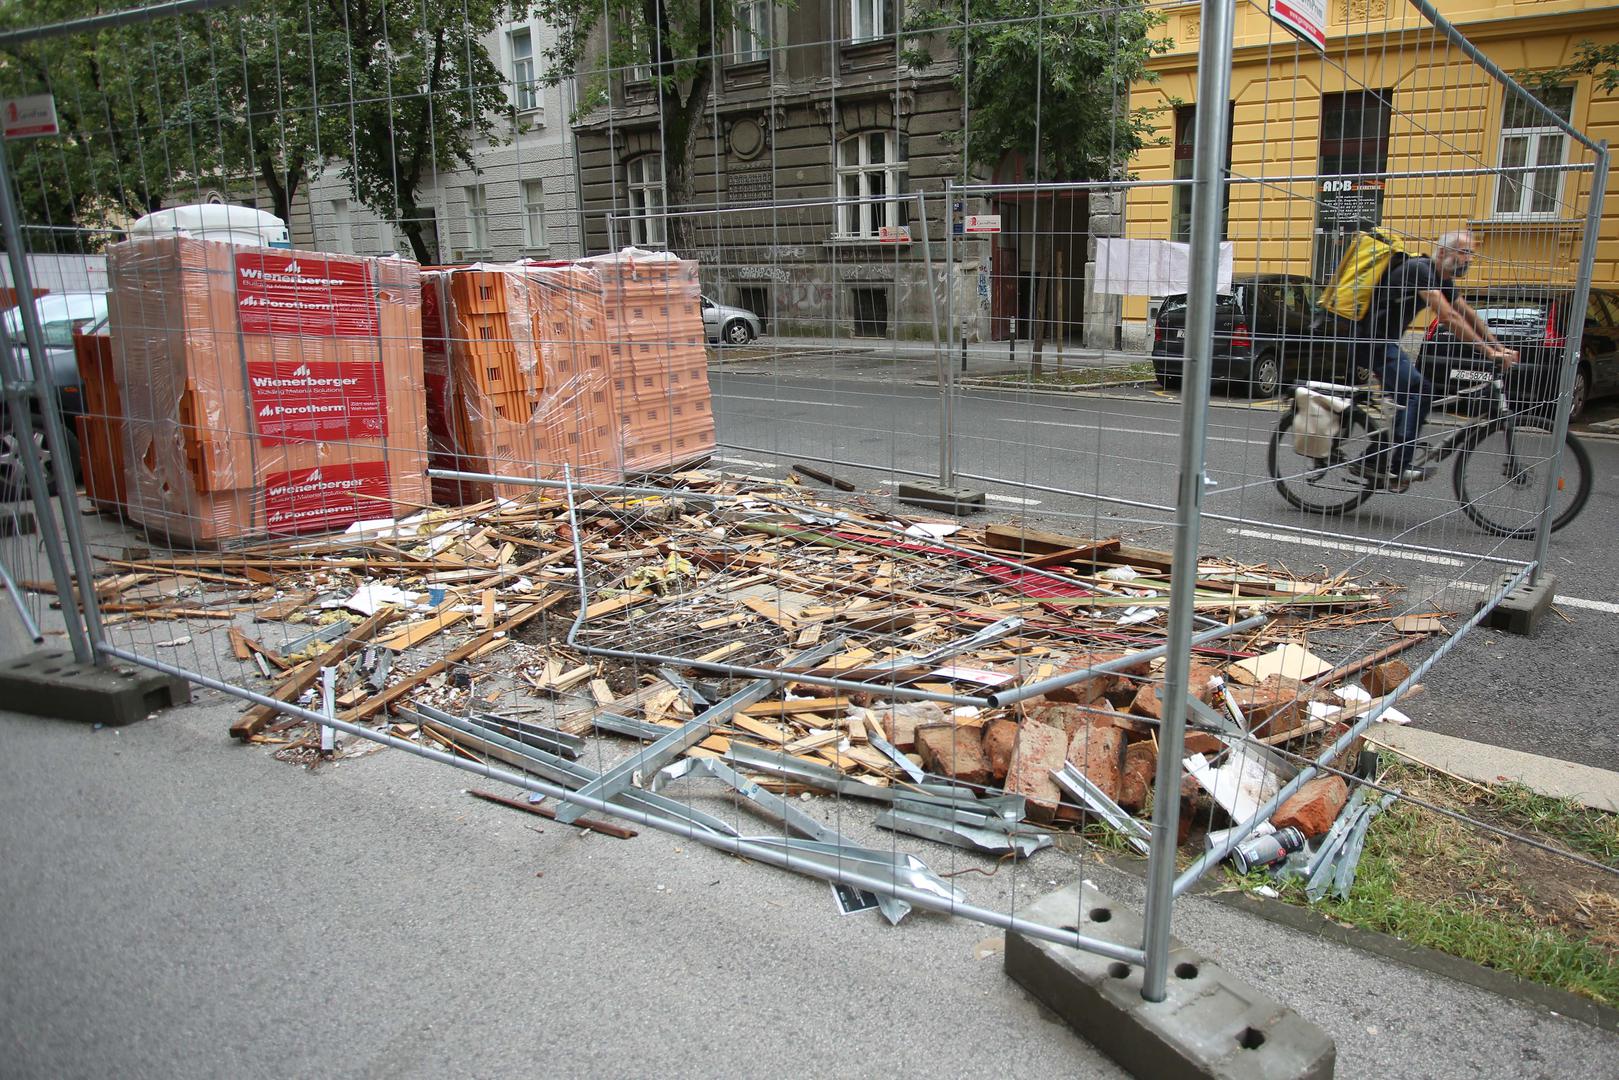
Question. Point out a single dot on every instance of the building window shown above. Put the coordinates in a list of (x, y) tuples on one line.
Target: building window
[(477, 219), (1528, 140), (871, 172), (645, 182), (525, 90), (1185, 132), (871, 19), (342, 227), (750, 37), (534, 213)]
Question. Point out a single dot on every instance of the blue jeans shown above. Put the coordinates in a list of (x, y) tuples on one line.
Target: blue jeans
[(1412, 396)]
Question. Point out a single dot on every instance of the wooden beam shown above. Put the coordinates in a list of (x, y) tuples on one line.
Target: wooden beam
[(253, 721)]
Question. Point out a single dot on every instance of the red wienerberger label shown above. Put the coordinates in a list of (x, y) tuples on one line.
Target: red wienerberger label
[(300, 401), (300, 293), (327, 497)]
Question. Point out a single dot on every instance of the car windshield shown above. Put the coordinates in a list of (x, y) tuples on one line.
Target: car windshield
[(59, 315), (1237, 297)]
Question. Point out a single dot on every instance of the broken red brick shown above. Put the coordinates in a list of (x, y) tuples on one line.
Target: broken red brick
[(1278, 705), (1038, 750), (1314, 807), (1201, 742), (1383, 678), (999, 738), (1146, 702), (952, 751), (1140, 768), (901, 721), (1094, 689), (1098, 752)]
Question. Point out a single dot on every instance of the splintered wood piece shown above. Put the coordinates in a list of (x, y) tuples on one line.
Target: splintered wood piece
[(771, 733), (714, 656), (770, 611), (255, 719), (388, 697), (486, 611), (238, 644), (728, 620), (617, 603), (601, 692), (419, 632), (791, 708), (603, 827), (810, 636), (281, 609), (813, 741)]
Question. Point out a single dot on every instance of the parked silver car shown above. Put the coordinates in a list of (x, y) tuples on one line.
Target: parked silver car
[(728, 325), (60, 314)]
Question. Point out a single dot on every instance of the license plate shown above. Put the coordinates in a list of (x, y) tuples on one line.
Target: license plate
[(1469, 376), (1176, 335)]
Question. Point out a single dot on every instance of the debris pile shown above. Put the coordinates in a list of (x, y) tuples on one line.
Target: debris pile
[(988, 686)]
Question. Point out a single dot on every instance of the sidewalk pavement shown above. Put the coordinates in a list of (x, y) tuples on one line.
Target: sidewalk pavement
[(1595, 788), (177, 905), (983, 358)]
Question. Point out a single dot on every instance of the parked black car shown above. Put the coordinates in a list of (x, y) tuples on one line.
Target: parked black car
[(1535, 321), (1262, 337)]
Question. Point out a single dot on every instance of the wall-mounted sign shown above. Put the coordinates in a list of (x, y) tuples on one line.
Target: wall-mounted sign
[(1306, 18), (894, 234), (23, 117), (982, 223)]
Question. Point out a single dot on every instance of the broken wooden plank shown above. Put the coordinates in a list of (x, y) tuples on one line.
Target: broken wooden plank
[(253, 721), (416, 633), (603, 827)]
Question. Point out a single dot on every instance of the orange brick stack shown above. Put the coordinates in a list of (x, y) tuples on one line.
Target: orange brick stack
[(660, 365), (266, 391), (444, 449), (531, 391), (101, 427)]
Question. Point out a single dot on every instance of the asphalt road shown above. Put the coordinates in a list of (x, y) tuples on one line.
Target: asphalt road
[(176, 905), (1105, 463)]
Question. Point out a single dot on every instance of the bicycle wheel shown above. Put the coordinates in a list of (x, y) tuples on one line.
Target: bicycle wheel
[(1501, 477), (1330, 485)]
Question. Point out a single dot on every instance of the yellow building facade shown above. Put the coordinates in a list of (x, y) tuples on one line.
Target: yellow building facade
[(1392, 125)]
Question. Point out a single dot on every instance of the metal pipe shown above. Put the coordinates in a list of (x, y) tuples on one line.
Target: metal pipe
[(1458, 39), (941, 355), (115, 18), (19, 415), (1571, 354), (1237, 833), (732, 845), (23, 613), (1239, 520), (1057, 682), (1208, 162)]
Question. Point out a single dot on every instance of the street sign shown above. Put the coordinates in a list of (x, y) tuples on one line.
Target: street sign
[(1306, 18), (23, 117), (894, 234), (982, 223)]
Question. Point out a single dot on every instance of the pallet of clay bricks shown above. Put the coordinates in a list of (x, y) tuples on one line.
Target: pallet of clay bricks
[(660, 363), (101, 423), (266, 391), (530, 388)]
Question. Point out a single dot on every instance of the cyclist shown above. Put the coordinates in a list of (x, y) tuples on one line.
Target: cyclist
[(1419, 282)]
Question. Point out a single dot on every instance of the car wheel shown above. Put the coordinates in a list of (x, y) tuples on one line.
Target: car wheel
[(1169, 382), (13, 476), (1578, 393), (1265, 378), (737, 332)]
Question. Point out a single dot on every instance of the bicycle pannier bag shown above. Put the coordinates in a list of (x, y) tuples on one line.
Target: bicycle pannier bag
[(1315, 421)]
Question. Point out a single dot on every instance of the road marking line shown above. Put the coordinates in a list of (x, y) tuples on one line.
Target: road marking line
[(722, 398), (1122, 431), (1339, 545), (1565, 601), (748, 462)]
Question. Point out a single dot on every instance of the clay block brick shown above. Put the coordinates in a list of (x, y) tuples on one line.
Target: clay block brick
[(1099, 754), (953, 751), (1278, 705), (1383, 678), (1140, 766), (1201, 742), (901, 721), (1038, 750), (1313, 807), (1147, 703), (1000, 736), (1094, 689)]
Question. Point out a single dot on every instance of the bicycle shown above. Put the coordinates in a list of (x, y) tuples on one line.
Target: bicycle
[(1502, 458)]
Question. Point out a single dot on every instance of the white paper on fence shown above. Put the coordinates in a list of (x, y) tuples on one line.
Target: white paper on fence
[(1241, 786), (1151, 267), (980, 676), (1352, 693)]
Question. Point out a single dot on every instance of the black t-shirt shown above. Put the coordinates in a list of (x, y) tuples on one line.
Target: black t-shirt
[(1397, 299)]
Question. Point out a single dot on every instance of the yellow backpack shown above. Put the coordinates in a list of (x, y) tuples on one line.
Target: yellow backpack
[(1366, 262)]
